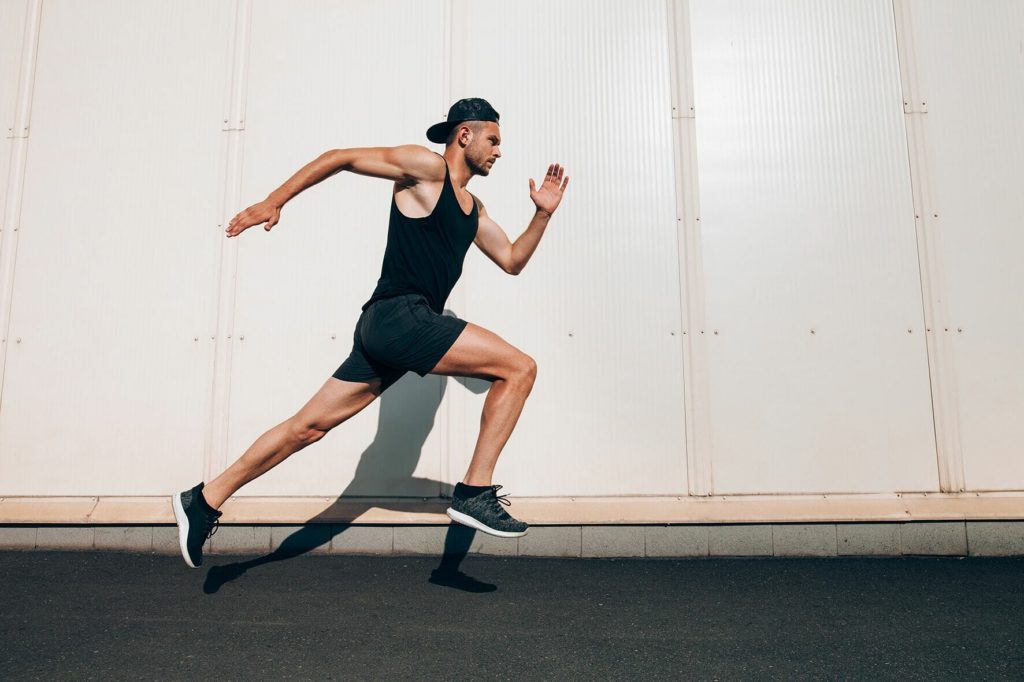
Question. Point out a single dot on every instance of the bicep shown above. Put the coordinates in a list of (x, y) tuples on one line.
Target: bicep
[(407, 164), (493, 241)]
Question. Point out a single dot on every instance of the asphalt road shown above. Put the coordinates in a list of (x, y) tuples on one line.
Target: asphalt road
[(91, 615)]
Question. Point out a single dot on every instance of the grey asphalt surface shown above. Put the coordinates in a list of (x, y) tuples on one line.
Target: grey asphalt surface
[(93, 615)]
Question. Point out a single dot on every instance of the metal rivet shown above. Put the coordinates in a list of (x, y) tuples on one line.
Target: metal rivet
[(672, 333), (195, 338), (959, 329), (947, 329), (212, 338), (242, 337), (812, 331), (19, 340), (333, 336), (910, 331), (570, 333), (716, 332), (935, 215)]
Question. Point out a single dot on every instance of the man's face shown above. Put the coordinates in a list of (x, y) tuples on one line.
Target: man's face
[(484, 147)]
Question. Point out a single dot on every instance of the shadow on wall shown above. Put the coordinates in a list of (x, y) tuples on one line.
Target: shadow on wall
[(406, 415)]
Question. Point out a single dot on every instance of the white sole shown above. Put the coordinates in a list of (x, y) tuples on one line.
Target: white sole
[(182, 519), (465, 520)]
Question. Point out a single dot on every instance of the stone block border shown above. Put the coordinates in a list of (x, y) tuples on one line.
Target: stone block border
[(914, 538)]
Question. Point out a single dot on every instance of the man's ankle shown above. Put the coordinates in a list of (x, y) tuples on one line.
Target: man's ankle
[(464, 490)]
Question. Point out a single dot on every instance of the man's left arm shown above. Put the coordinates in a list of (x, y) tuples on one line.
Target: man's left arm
[(493, 241)]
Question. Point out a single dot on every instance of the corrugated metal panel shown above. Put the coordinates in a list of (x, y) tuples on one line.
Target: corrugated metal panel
[(598, 305), (107, 391), (12, 28), (818, 372), (971, 60), (326, 75)]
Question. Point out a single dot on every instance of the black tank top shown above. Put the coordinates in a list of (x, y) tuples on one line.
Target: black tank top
[(425, 255)]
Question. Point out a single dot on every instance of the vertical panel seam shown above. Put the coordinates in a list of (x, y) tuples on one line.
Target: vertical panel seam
[(217, 434), (697, 442), (940, 360)]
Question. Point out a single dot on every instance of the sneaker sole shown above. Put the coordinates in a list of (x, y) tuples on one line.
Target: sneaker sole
[(467, 520), (182, 519)]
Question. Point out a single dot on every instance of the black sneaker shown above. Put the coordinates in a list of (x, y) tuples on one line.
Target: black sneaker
[(196, 522), (483, 512)]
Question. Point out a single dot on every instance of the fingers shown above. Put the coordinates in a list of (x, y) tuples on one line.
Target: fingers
[(555, 173), (533, 188)]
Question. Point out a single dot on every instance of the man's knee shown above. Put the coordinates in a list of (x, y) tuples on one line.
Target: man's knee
[(526, 370), (305, 434)]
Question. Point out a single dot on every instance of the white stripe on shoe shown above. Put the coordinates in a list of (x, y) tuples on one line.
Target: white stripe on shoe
[(182, 518), (467, 520)]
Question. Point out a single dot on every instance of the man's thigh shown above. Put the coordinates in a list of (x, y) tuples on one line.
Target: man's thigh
[(483, 354), (336, 401)]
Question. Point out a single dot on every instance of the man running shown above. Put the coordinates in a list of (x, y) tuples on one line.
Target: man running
[(434, 219)]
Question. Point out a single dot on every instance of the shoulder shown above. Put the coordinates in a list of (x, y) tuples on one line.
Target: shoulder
[(479, 204), (419, 163)]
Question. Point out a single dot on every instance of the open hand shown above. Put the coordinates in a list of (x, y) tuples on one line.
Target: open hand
[(549, 195), (263, 212)]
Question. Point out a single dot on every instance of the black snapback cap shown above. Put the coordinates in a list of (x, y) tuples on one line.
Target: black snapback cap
[(470, 109)]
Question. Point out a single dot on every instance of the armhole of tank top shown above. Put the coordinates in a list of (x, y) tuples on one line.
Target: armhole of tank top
[(447, 175), (445, 183), (394, 201)]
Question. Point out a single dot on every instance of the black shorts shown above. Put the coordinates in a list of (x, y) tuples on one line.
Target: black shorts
[(395, 335)]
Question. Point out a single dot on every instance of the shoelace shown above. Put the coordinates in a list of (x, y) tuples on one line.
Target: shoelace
[(500, 498), (211, 526)]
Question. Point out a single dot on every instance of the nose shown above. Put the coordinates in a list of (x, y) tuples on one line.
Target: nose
[(497, 153)]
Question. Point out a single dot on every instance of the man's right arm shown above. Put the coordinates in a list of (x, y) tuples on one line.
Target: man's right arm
[(406, 165)]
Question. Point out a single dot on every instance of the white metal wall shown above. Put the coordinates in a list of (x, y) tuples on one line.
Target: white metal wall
[(153, 351), (970, 63), (106, 381), (816, 353)]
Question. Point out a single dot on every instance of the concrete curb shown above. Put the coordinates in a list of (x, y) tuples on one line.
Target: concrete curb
[(917, 538)]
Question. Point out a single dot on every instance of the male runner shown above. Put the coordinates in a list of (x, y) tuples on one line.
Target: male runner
[(434, 219)]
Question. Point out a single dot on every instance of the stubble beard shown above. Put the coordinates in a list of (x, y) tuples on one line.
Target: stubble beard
[(477, 167)]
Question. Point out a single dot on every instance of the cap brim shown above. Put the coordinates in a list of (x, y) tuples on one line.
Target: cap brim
[(439, 131)]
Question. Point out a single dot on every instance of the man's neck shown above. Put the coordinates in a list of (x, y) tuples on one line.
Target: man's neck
[(458, 171)]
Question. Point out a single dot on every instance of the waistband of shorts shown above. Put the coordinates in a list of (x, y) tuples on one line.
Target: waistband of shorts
[(396, 297)]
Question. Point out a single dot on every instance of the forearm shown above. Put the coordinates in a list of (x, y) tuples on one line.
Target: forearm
[(320, 168), (524, 247)]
